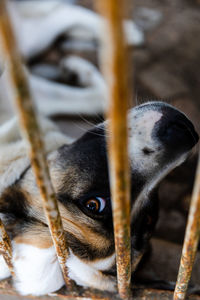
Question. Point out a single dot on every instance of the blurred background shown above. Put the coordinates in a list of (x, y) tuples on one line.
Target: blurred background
[(59, 42)]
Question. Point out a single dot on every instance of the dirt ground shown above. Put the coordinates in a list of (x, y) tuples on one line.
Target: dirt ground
[(166, 67)]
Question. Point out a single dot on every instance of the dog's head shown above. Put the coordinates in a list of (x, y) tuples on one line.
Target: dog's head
[(160, 138)]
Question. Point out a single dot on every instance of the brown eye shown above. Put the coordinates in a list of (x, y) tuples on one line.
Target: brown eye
[(96, 204)]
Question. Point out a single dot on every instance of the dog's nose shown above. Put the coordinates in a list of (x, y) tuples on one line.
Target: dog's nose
[(175, 130)]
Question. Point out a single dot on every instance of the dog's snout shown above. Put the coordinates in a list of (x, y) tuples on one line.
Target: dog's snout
[(175, 130)]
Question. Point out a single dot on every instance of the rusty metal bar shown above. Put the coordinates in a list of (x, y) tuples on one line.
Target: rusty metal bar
[(5, 247), (190, 242), (30, 127), (115, 66)]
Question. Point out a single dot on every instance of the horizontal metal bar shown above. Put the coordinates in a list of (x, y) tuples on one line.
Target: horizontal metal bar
[(190, 242), (31, 129), (85, 294), (5, 247), (115, 65)]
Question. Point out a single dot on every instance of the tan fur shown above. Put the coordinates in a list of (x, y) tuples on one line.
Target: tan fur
[(85, 234), (37, 235), (77, 224), (60, 178)]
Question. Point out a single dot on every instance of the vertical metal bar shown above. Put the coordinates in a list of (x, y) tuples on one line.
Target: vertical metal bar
[(190, 242), (30, 127), (5, 247), (115, 65)]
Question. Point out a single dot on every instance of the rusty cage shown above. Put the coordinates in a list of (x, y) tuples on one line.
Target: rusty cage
[(116, 70)]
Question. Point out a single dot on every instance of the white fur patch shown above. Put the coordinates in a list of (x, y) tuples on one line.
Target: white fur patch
[(87, 275), (37, 270), (103, 264), (4, 271), (141, 124)]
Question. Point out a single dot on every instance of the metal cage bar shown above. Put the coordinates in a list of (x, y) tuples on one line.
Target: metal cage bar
[(5, 247), (190, 242), (115, 65), (31, 129)]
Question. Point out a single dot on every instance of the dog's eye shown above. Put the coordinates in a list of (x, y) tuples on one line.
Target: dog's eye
[(96, 204)]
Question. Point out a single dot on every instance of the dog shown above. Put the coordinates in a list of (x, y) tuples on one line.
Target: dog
[(160, 139)]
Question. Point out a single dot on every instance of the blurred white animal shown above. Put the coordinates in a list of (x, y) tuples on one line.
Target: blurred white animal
[(37, 25)]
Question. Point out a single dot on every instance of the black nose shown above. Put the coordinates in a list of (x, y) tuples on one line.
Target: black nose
[(175, 130)]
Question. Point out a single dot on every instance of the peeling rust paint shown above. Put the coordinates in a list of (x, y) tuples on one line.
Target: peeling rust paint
[(115, 67), (5, 247), (191, 241), (31, 130)]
